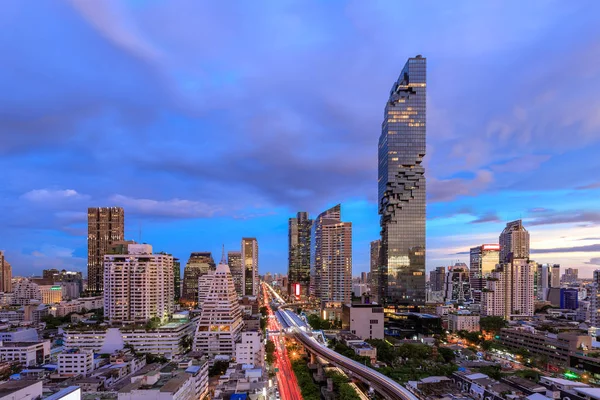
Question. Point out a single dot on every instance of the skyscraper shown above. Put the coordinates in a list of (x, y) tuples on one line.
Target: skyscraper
[(234, 260), (374, 267), (220, 324), (509, 291), (570, 276), (456, 284), (250, 266), (5, 274), (483, 261), (437, 277), (106, 225), (514, 241), (555, 278), (299, 255), (198, 264), (595, 300), (177, 279), (138, 285), (401, 188), (331, 256)]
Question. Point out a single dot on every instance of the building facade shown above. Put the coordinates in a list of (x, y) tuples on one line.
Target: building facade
[(299, 231), (594, 309), (5, 274), (514, 241), (463, 322), (483, 260), (509, 290), (106, 225), (198, 264), (570, 276), (220, 324), (375, 250), (437, 277), (250, 350), (138, 286), (401, 188), (363, 320), (234, 260), (457, 289), (176, 279), (331, 256), (250, 266), (75, 362)]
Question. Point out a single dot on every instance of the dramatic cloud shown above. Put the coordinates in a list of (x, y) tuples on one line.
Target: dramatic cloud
[(45, 195), (574, 249), (594, 261), (567, 217), (174, 208), (449, 189), (488, 217)]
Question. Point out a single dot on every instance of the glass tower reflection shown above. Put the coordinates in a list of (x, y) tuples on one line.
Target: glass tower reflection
[(401, 188)]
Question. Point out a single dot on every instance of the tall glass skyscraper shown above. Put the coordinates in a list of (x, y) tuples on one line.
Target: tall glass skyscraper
[(299, 255), (401, 188)]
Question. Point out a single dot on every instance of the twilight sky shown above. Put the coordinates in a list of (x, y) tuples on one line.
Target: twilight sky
[(208, 121)]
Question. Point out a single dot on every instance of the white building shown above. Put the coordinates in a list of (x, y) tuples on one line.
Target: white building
[(157, 386), (138, 285), (25, 292), (75, 362), (27, 354), (21, 390), (463, 322), (19, 335), (220, 322), (363, 320), (51, 293), (510, 291), (250, 349), (204, 287), (594, 308)]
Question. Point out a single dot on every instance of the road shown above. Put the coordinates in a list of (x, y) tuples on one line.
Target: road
[(286, 380)]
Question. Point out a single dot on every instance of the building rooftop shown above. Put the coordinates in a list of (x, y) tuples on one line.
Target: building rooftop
[(7, 388), (565, 382), (593, 393), (22, 344)]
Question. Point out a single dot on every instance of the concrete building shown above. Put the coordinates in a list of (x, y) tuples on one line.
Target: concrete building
[(437, 278), (138, 285), (51, 294), (514, 242), (509, 292), (250, 349), (156, 386), (299, 231), (564, 298), (220, 323), (199, 263), (26, 292), (234, 260), (401, 188), (331, 260), (363, 320), (457, 289), (204, 287), (594, 308), (28, 354), (5, 274), (246, 383), (570, 276), (106, 226), (19, 335), (75, 362), (250, 266), (463, 322), (21, 390)]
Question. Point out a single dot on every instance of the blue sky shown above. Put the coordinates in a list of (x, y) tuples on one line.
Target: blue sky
[(209, 121)]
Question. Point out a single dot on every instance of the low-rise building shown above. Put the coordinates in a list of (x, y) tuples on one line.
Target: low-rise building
[(363, 320), (27, 354), (21, 390), (250, 349), (240, 380), (19, 335), (364, 349), (463, 322), (75, 362)]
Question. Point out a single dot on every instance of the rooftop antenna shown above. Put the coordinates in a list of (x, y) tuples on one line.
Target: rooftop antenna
[(223, 261)]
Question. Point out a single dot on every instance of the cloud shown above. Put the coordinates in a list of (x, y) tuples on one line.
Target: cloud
[(590, 186), (174, 208), (567, 217), (594, 261), (574, 249), (522, 163), (487, 217), (450, 189), (590, 238), (539, 210), (51, 195)]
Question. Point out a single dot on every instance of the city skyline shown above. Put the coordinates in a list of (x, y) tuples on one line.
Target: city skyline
[(492, 156)]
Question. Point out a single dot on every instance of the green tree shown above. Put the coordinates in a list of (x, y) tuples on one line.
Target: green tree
[(492, 324), (447, 354), (270, 350), (218, 368), (263, 310)]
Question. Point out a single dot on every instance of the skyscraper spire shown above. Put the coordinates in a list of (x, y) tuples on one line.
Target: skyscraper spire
[(223, 259)]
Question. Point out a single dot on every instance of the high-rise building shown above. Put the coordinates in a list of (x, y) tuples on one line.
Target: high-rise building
[(70, 281), (570, 276), (198, 264), (456, 284), (374, 264), (548, 276), (514, 241), (5, 274), (483, 260), (177, 279), (299, 255), (250, 266), (555, 278), (106, 225), (509, 290), (234, 260), (331, 256), (138, 285), (437, 277), (220, 324), (401, 188), (594, 309)]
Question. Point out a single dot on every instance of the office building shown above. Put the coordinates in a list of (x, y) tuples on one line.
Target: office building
[(594, 309), (555, 278), (563, 298), (250, 266), (457, 289), (374, 268), (5, 274), (26, 292), (198, 264), (176, 279), (26, 354), (509, 290), (463, 321), (437, 277), (220, 324), (250, 350), (75, 362), (331, 257), (299, 231), (483, 260), (363, 320), (514, 242), (570, 276), (23, 390), (401, 188), (106, 225), (138, 286), (70, 281), (234, 260)]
